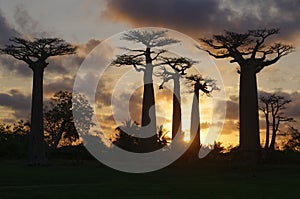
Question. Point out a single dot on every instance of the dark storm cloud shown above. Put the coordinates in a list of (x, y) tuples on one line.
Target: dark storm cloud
[(208, 16), (16, 101)]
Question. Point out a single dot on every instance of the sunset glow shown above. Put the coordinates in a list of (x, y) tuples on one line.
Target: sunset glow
[(282, 77)]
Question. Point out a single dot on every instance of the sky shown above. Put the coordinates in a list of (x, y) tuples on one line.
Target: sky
[(87, 23)]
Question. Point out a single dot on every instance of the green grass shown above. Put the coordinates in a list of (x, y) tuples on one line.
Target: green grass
[(90, 180)]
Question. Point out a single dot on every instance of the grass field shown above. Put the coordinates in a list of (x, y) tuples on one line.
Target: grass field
[(91, 180)]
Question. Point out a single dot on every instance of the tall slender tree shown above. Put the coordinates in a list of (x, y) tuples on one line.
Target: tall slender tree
[(273, 106), (145, 60), (35, 53), (179, 66), (265, 108), (252, 53), (206, 86)]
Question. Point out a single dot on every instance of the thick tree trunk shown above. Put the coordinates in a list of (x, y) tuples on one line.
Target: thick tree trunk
[(37, 154), (195, 127), (267, 129), (249, 123), (176, 120), (148, 109)]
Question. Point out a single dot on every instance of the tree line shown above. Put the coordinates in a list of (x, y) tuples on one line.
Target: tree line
[(249, 50)]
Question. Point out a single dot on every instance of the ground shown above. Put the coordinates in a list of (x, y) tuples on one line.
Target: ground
[(91, 180)]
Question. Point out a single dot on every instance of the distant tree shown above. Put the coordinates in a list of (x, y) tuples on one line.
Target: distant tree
[(179, 66), (251, 52), (294, 141), (272, 107), (35, 53), (14, 139), (206, 86), (145, 60), (59, 121)]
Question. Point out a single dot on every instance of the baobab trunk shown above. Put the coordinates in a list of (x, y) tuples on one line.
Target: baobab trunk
[(148, 109), (176, 120), (249, 123), (195, 127), (37, 154)]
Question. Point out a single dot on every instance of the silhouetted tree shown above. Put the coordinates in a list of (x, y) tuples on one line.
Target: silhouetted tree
[(179, 66), (35, 53), (250, 51), (294, 141), (265, 108), (143, 61), (14, 139), (59, 121), (206, 86), (272, 106)]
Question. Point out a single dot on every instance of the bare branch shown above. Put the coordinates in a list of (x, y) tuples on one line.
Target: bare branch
[(132, 60), (30, 51), (247, 48), (165, 75), (179, 65), (206, 85), (149, 38)]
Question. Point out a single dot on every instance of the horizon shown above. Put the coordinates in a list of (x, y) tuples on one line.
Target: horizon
[(85, 29)]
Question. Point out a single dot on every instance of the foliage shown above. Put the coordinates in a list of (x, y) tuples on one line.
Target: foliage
[(245, 48), (149, 38), (39, 48), (59, 121), (127, 137), (14, 139), (293, 143), (199, 83)]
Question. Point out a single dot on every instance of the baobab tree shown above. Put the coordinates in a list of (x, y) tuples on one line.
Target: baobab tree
[(251, 52), (143, 60), (35, 53), (206, 86), (179, 66), (272, 107)]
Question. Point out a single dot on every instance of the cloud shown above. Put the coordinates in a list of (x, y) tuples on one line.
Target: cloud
[(27, 25), (16, 101), (6, 31), (10, 65), (208, 16), (60, 84)]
